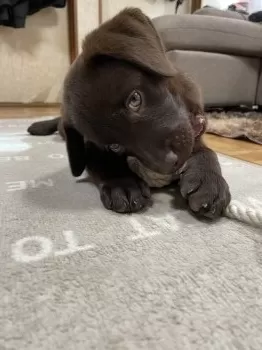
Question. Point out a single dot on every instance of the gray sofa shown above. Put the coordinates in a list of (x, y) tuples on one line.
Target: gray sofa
[(259, 89), (224, 55)]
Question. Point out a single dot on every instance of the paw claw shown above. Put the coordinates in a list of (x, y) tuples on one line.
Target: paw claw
[(124, 195), (211, 194), (191, 190), (213, 210)]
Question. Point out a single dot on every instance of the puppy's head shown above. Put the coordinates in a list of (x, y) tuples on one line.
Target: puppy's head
[(119, 93)]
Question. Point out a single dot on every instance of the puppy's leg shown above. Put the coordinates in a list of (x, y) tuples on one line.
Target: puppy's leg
[(45, 127), (202, 183), (120, 189)]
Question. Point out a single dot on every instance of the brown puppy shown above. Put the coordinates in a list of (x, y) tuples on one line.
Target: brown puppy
[(122, 90)]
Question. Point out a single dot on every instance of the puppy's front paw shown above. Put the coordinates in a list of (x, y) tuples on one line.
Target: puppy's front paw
[(125, 195), (207, 192), (42, 128)]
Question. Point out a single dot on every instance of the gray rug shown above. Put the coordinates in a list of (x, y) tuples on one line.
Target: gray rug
[(236, 125), (75, 276)]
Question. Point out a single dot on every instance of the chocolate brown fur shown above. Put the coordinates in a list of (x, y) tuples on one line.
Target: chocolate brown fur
[(123, 58)]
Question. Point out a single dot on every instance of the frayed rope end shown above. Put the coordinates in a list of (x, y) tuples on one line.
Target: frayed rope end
[(238, 211)]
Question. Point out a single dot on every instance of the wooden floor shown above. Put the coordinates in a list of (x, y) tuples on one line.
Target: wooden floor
[(28, 112), (244, 150)]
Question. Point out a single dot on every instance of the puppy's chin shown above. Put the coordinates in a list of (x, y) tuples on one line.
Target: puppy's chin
[(161, 167), (153, 178)]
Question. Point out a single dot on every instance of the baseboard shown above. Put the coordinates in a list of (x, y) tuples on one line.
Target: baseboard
[(19, 110), (29, 105)]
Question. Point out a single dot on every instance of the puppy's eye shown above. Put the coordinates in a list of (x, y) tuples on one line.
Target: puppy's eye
[(134, 101)]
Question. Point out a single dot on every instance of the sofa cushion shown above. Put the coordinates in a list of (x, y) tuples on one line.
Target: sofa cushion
[(224, 80), (259, 90), (211, 34)]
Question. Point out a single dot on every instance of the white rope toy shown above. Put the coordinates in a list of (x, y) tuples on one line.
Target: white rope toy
[(234, 210), (238, 211)]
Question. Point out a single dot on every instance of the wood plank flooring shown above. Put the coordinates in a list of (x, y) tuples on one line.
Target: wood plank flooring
[(244, 150), (28, 112)]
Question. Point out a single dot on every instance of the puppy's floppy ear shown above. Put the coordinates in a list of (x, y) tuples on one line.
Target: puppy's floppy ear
[(132, 37), (199, 124), (75, 149)]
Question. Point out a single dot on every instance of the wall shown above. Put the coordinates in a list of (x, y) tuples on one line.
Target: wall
[(255, 5), (87, 18), (221, 4), (35, 59), (152, 8), (88, 11)]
